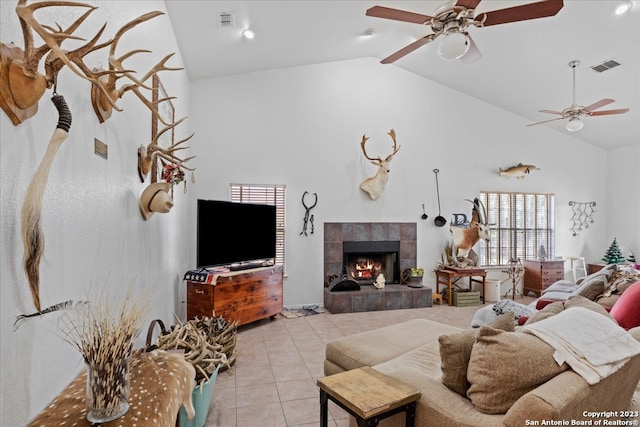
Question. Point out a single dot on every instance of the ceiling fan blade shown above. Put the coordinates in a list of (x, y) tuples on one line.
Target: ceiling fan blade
[(468, 4), (560, 113), (599, 104), (408, 49), (539, 9), (546, 121), (608, 112), (473, 54), (398, 15)]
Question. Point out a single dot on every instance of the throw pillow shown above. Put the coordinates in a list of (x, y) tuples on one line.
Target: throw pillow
[(561, 286), (626, 310), (592, 288), (506, 365), (580, 301), (548, 311), (505, 306), (455, 350)]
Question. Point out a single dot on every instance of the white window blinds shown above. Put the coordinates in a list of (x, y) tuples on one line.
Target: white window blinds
[(268, 195), (520, 223)]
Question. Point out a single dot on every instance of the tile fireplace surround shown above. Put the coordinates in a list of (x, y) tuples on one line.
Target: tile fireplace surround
[(369, 298)]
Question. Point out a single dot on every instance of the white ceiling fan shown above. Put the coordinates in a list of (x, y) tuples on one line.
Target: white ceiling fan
[(575, 111)]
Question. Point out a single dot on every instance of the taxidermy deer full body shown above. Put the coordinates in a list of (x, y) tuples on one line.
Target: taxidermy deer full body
[(375, 185), (464, 239)]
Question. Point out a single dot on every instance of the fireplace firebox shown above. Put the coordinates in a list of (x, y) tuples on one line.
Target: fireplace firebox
[(364, 261)]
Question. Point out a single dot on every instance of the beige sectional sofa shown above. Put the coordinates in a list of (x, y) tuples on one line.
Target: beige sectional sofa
[(410, 352)]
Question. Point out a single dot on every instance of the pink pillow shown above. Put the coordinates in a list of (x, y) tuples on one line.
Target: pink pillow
[(626, 310)]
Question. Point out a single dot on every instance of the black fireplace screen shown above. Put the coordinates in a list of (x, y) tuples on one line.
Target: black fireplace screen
[(365, 261)]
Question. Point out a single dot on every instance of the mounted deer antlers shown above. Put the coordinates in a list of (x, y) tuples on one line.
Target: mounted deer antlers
[(21, 84), (146, 154), (375, 185), (104, 94)]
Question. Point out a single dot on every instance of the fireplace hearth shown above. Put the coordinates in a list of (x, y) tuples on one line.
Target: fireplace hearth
[(387, 247)]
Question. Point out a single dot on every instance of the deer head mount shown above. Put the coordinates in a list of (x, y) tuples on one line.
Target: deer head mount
[(375, 185), (21, 83), (104, 93)]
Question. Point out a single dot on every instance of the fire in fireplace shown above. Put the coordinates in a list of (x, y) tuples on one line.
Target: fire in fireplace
[(365, 261)]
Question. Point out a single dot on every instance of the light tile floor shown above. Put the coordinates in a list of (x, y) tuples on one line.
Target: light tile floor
[(272, 383)]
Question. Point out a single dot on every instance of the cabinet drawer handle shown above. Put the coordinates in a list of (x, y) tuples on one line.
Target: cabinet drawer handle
[(199, 291)]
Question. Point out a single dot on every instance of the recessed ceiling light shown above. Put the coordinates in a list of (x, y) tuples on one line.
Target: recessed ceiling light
[(248, 34), (624, 7)]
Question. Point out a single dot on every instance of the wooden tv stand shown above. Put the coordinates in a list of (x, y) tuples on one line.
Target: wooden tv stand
[(243, 296)]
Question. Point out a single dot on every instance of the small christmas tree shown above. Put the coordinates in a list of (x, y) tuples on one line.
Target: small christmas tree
[(613, 254), (542, 252)]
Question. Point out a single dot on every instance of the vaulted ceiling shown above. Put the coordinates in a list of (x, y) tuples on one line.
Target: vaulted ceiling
[(524, 65)]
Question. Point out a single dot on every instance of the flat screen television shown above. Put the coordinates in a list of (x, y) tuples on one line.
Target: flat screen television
[(230, 233)]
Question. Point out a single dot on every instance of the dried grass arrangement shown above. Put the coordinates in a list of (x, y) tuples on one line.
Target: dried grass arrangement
[(104, 334)]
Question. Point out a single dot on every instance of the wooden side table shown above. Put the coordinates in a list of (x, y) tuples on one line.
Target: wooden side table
[(368, 395), (449, 277)]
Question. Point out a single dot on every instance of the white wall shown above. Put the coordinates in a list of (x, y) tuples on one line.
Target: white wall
[(96, 239), (302, 127)]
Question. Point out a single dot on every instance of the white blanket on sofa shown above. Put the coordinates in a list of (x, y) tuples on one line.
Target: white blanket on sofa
[(592, 345)]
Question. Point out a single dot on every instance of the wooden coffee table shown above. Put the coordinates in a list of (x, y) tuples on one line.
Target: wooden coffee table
[(368, 395)]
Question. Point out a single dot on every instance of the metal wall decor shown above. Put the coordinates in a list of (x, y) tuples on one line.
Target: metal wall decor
[(582, 215), (308, 217)]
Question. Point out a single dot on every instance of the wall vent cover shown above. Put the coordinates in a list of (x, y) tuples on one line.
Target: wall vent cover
[(605, 65), (225, 20)]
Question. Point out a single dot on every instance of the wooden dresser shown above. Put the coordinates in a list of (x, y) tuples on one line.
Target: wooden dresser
[(538, 275)]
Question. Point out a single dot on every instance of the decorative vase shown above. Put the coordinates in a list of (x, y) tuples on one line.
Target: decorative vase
[(201, 397), (107, 390)]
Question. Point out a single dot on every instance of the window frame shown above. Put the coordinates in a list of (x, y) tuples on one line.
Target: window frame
[(518, 232), (269, 194)]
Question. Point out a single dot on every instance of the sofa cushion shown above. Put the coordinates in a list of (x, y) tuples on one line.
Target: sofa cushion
[(377, 346), (546, 312), (580, 301), (559, 306), (455, 351), (592, 288), (506, 365), (626, 310), (561, 286)]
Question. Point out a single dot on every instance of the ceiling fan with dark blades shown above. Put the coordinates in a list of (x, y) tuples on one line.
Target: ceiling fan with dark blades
[(575, 111), (452, 20)]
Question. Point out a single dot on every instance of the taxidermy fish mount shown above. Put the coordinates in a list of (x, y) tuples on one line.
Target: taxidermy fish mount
[(519, 171)]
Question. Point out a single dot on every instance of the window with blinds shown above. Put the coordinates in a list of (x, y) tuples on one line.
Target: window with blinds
[(519, 224), (268, 195)]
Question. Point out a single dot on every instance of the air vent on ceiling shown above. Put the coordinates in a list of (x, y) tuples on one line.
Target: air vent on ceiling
[(604, 66), (225, 20)]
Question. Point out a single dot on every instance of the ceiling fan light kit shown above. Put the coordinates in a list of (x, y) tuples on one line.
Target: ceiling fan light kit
[(454, 45), (574, 124)]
